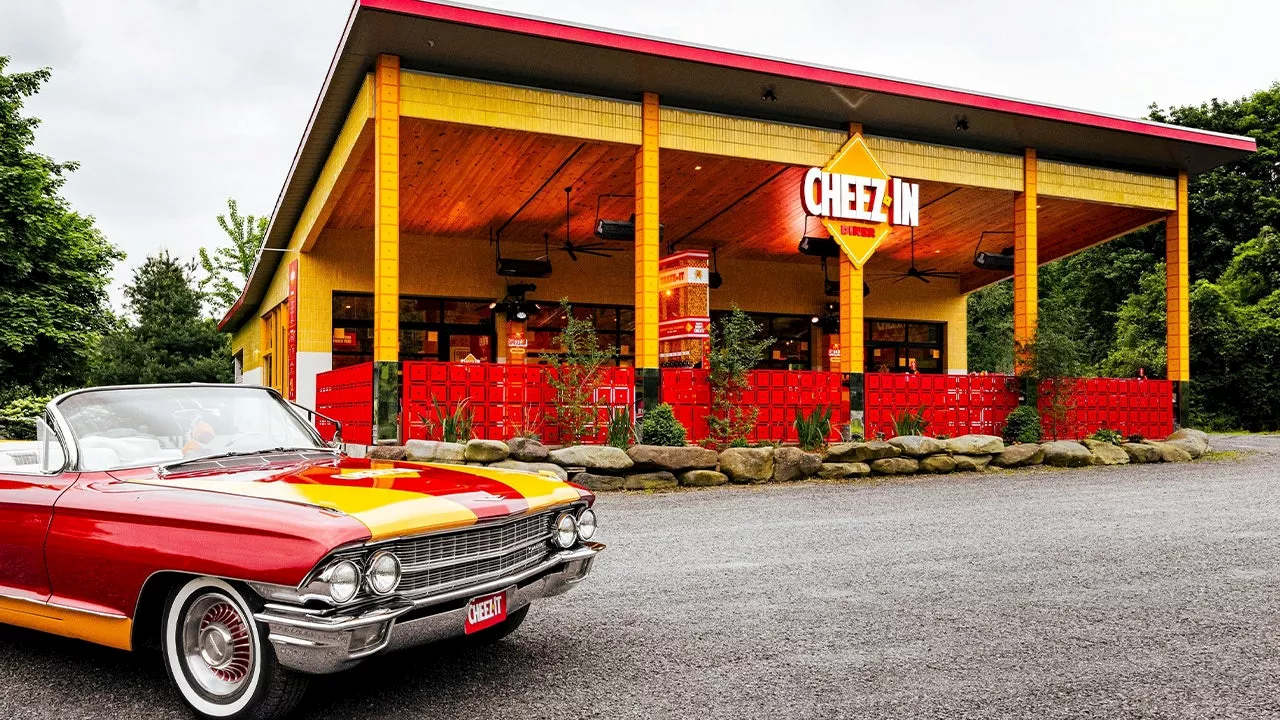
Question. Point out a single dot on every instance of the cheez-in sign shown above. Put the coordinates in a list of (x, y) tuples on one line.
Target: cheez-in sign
[(857, 200)]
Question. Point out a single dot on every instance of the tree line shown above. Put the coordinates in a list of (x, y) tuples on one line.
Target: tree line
[(57, 330), (1101, 311)]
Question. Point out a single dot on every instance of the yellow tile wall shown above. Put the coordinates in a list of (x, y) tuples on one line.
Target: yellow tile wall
[(746, 138), (1114, 187), (386, 212), (1025, 258), (355, 132), (924, 161), (437, 97)]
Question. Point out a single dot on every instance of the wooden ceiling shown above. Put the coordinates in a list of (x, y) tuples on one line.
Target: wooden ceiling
[(460, 182)]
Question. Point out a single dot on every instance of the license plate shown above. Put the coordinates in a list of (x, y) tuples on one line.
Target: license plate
[(485, 611)]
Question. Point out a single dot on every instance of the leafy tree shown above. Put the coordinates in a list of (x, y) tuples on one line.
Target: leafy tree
[(54, 263), (227, 268), (736, 348), (165, 339), (575, 377), (990, 336), (1140, 331)]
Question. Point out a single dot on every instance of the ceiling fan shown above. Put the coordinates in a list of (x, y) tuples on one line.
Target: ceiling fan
[(598, 249), (921, 275)]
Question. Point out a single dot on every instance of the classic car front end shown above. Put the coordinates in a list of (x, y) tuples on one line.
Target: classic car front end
[(414, 590), (215, 523)]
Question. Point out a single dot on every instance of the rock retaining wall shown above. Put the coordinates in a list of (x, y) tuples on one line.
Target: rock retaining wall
[(652, 467)]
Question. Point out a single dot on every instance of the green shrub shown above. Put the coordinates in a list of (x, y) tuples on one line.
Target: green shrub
[(739, 443), (1136, 438), (812, 431), (1023, 425), (621, 432), (857, 432), (1107, 435), (910, 422), (660, 427), (18, 417)]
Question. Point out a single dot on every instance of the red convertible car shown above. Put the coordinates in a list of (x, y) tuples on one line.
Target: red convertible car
[(214, 523)]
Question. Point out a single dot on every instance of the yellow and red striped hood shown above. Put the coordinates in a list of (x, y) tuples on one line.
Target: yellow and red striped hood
[(390, 498)]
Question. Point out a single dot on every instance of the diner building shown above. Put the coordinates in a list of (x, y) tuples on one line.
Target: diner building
[(464, 170)]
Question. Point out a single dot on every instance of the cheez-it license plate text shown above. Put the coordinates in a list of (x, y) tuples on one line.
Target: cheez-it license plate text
[(486, 611)]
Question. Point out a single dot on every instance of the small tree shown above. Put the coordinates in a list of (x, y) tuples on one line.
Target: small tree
[(166, 339), (575, 377), (735, 351), (1047, 365), (226, 268)]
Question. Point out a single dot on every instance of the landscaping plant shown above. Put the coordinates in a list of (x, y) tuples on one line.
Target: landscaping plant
[(1107, 435), (910, 422), (18, 417), (659, 426), (575, 377), (1022, 425), (621, 431), (454, 427), (812, 431), (735, 350)]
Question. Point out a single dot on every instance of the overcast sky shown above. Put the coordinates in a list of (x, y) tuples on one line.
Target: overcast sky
[(172, 106)]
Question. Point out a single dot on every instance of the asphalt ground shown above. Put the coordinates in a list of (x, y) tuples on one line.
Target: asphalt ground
[(1128, 592)]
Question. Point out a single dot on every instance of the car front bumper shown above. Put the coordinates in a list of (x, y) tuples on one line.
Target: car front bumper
[(318, 644)]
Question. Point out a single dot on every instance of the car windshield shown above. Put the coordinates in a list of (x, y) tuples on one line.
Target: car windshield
[(134, 427)]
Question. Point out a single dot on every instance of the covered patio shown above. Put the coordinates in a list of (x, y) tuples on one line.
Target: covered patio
[(439, 211)]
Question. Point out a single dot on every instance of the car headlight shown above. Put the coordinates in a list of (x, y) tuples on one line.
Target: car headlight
[(587, 524), (566, 531), (384, 572), (343, 578)]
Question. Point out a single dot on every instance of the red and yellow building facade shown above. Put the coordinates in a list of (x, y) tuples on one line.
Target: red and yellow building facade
[(449, 137)]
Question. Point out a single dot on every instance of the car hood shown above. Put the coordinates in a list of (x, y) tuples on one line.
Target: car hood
[(390, 498)]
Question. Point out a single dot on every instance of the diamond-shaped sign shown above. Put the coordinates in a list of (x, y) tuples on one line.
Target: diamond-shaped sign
[(854, 197), (858, 239)]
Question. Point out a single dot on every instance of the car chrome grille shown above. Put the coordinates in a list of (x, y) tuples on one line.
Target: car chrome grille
[(437, 563)]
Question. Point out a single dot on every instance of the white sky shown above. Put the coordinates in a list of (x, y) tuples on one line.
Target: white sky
[(173, 106)]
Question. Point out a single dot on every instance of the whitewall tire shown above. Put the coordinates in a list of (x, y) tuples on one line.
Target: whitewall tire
[(218, 656)]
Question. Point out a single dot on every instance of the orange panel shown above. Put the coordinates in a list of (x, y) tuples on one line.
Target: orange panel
[(1177, 309)]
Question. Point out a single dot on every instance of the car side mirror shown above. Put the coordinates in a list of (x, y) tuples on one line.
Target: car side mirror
[(312, 415)]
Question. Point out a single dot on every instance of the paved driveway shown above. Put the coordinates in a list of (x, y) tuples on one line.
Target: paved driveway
[(1143, 592)]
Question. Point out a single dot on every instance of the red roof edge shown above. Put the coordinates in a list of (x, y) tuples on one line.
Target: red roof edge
[(709, 56)]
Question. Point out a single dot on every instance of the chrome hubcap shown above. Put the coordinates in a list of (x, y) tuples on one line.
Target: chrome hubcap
[(217, 645)]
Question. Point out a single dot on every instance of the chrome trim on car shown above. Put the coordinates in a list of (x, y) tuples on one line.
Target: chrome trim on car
[(435, 565), (318, 641)]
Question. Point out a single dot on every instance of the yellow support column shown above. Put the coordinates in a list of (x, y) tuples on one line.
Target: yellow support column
[(1025, 261), (1177, 309), (386, 246), (851, 322), (648, 240)]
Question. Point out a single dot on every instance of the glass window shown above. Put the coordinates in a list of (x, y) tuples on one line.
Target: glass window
[(352, 307), (892, 346), (791, 337), (461, 312), (419, 310), (427, 328)]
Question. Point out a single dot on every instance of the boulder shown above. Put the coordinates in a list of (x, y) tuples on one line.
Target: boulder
[(792, 463), (1066, 453), (661, 457), (975, 445), (937, 464), (660, 480), (843, 470), (861, 451), (388, 452), (528, 450), (703, 478), (917, 445), (747, 465), (486, 451), (599, 483), (895, 466), (1019, 456), (1200, 435), (1194, 446), (533, 467), (1141, 452), (592, 457), (1105, 453), (1170, 452), (435, 451), (971, 463)]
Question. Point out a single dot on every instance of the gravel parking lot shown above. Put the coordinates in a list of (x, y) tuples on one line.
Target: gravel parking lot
[(1131, 592)]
